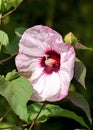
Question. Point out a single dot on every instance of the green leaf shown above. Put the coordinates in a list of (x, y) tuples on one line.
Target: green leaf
[(78, 100), (5, 126), (6, 5), (16, 128), (19, 31), (12, 47), (51, 111), (4, 40), (14, 3), (12, 75), (0, 4), (17, 93), (80, 72)]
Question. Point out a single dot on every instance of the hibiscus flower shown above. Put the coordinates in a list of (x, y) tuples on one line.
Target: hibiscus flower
[(48, 63)]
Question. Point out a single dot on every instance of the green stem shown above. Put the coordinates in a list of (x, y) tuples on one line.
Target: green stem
[(32, 124)]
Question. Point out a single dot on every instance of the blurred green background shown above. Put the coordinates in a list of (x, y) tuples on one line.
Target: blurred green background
[(64, 16)]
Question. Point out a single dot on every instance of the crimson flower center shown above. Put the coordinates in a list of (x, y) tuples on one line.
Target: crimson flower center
[(51, 62)]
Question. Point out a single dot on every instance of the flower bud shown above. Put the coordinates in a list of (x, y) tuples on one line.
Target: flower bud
[(70, 38)]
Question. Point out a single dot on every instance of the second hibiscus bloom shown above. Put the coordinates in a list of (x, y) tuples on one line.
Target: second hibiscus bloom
[(47, 61)]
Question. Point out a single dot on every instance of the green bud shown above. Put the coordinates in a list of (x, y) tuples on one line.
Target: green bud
[(70, 38)]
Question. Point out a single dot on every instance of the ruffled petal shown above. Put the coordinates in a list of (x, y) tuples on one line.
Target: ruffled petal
[(65, 83), (27, 63), (37, 39), (68, 60), (47, 87), (22, 62)]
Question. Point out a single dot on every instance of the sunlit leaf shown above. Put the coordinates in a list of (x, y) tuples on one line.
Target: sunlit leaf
[(0, 4), (12, 75), (6, 5), (17, 93), (52, 110), (14, 3), (80, 72), (4, 40), (5, 126), (78, 100)]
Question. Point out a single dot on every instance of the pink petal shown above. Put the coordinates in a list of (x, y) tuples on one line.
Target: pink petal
[(47, 87), (65, 83), (68, 60), (39, 37)]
